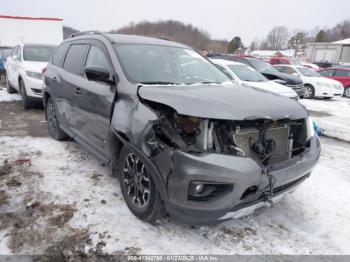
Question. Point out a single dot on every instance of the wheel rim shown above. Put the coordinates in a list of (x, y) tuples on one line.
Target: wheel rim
[(307, 92), (347, 92), (52, 118), (136, 181)]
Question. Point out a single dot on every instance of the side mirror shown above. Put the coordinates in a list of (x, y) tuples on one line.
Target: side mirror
[(98, 74)]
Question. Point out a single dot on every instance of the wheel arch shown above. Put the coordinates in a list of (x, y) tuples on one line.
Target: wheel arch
[(119, 140)]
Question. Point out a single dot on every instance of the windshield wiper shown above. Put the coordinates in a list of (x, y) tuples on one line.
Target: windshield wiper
[(209, 82), (158, 83)]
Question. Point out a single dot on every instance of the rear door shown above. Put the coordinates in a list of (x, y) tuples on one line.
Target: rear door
[(95, 101), (342, 76), (10, 65), (68, 82)]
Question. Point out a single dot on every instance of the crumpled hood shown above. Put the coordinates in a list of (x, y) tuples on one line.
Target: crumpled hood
[(223, 102)]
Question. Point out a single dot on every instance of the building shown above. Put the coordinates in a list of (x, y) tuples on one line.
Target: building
[(335, 52), (16, 30)]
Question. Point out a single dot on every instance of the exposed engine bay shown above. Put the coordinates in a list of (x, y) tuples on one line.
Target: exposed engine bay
[(266, 141)]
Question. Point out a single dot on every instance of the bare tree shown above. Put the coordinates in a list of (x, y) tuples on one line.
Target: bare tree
[(278, 38)]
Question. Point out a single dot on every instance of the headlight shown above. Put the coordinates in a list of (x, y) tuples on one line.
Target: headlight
[(34, 75), (323, 84), (310, 129)]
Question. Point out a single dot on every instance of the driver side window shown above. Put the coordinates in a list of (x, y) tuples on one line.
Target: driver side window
[(96, 58)]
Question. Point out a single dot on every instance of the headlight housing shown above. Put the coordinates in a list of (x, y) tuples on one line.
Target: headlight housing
[(34, 75), (310, 129)]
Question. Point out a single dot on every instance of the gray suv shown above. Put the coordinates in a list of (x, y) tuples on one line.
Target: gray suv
[(181, 138)]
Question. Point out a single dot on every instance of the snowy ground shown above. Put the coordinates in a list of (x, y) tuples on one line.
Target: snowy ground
[(56, 198)]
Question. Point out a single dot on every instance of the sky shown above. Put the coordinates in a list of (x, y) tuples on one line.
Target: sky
[(222, 19)]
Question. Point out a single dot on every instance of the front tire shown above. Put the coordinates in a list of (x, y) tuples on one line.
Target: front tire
[(26, 101), (53, 124), (138, 188), (9, 87), (309, 92), (347, 92)]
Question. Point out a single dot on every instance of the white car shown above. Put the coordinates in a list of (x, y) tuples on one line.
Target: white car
[(315, 84), (246, 75), (311, 66), (24, 69)]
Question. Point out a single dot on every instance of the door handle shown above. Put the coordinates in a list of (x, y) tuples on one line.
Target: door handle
[(77, 91)]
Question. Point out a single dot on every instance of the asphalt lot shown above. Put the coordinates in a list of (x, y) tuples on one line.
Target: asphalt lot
[(56, 199)]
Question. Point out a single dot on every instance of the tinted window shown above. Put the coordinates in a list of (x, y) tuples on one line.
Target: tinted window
[(75, 58), (342, 73), (262, 66), (96, 58), (58, 56), (326, 72), (38, 53)]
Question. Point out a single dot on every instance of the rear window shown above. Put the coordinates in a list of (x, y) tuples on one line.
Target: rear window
[(38, 53), (58, 56), (75, 58)]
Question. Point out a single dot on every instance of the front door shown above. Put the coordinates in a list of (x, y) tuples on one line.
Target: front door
[(95, 102)]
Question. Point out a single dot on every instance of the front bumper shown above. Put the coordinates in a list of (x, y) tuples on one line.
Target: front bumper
[(242, 172), (33, 87)]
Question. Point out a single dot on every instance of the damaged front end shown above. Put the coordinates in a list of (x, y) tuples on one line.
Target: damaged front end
[(210, 166), (208, 163)]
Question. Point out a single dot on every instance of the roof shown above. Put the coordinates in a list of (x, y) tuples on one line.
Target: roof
[(225, 62), (289, 52), (31, 18), (134, 39), (344, 41)]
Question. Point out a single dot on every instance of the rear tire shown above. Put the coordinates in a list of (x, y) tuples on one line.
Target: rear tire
[(52, 121), (9, 87), (138, 188), (309, 92), (347, 92)]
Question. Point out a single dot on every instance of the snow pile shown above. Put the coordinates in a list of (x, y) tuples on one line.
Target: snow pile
[(6, 97), (331, 115)]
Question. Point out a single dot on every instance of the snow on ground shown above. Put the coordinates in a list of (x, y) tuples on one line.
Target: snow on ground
[(54, 196), (6, 97), (312, 220), (331, 115)]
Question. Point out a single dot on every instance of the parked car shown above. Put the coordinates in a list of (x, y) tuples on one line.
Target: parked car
[(182, 139), (24, 69), (246, 75), (315, 84), (272, 73), (283, 60), (311, 66), (4, 54), (340, 74), (323, 64)]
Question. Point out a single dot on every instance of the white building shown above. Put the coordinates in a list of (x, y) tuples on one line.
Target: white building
[(336, 52), (16, 30)]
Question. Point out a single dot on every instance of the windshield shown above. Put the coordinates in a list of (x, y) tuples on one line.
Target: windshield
[(38, 53), (308, 72), (153, 64), (263, 67), (246, 73)]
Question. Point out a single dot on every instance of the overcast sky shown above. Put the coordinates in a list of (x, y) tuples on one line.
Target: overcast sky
[(223, 19)]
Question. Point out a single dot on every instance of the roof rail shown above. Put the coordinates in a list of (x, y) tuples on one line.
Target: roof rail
[(92, 32)]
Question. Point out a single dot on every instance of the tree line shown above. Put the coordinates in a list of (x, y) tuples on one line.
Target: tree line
[(279, 37)]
